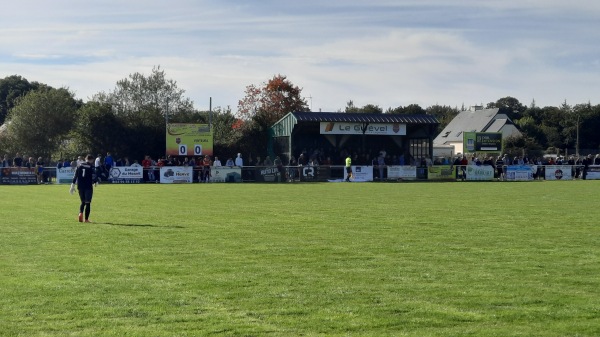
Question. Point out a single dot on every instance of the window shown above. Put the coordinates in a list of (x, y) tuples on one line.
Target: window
[(419, 147)]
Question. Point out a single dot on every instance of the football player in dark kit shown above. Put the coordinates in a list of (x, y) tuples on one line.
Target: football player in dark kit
[(85, 177)]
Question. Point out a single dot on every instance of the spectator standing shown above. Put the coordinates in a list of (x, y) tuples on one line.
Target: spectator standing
[(30, 164), (292, 169), (109, 162), (147, 165), (18, 160), (268, 161), (463, 166), (302, 160), (500, 168), (97, 162), (279, 164), (206, 163), (381, 164), (5, 162), (239, 161), (586, 165), (191, 162), (217, 162), (229, 162), (39, 170), (506, 160), (428, 162), (98, 166)]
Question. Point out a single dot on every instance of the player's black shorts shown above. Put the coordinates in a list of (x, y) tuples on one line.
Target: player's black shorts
[(348, 169), (86, 195)]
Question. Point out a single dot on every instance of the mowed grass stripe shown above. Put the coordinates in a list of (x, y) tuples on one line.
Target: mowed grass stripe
[(414, 259)]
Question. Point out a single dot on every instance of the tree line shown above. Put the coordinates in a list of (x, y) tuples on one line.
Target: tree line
[(130, 120)]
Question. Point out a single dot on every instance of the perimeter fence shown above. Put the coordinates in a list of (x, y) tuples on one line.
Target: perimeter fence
[(283, 174)]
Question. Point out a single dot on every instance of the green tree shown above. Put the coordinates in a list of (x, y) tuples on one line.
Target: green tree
[(41, 121), (444, 114), (586, 120), (227, 132), (519, 145), (411, 109), (98, 129), (368, 109), (531, 128), (141, 105), (137, 99), (11, 89), (509, 106)]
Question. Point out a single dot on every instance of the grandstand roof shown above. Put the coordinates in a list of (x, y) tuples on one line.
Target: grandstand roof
[(363, 118)]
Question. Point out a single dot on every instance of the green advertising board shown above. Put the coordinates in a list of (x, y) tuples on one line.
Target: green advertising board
[(482, 142)]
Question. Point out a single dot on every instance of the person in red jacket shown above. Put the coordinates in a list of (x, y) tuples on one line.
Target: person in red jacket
[(206, 164)]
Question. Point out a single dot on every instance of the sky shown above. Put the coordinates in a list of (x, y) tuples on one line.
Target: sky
[(382, 52)]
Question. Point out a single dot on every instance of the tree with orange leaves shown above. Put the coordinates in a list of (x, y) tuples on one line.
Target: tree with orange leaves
[(267, 104)]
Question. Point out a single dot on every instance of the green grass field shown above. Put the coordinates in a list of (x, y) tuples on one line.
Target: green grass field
[(322, 259)]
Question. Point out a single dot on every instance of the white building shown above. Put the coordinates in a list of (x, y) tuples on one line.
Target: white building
[(477, 120)]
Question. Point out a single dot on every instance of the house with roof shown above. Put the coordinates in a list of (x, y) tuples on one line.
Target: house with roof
[(476, 120)]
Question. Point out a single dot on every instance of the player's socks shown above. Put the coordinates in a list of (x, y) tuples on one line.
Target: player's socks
[(80, 217)]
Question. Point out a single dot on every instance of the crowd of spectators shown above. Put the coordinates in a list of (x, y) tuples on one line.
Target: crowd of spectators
[(579, 164), (306, 157), (36, 166)]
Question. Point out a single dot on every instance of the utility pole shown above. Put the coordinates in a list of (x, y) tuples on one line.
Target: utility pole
[(577, 140), (166, 125)]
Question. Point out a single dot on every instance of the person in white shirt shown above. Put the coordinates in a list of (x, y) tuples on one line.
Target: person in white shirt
[(239, 161), (217, 162)]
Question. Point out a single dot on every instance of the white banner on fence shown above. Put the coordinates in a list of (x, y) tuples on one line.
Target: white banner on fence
[(225, 174), (65, 175), (176, 174), (519, 172), (402, 172), (558, 172), (127, 172), (593, 172), (479, 173), (362, 173)]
